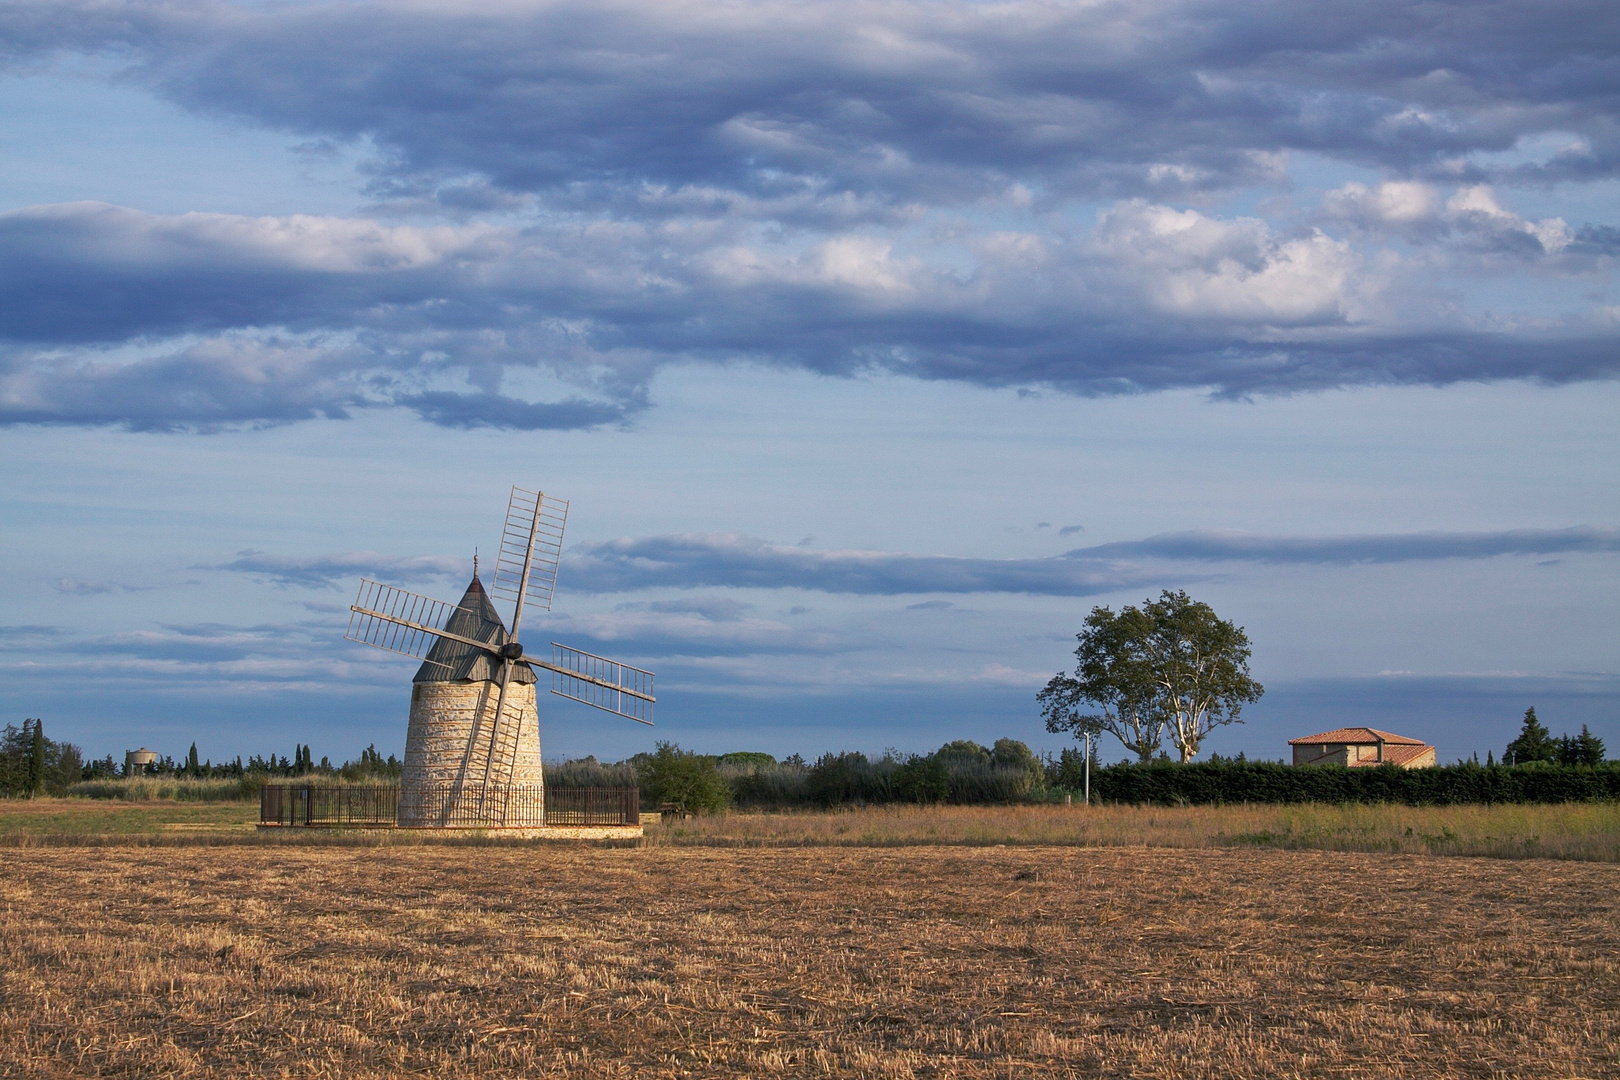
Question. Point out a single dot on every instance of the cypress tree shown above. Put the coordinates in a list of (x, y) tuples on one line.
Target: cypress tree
[(192, 767), (36, 760), (1588, 748), (1535, 743)]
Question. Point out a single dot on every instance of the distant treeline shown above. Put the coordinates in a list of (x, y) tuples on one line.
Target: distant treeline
[(965, 773), (958, 772), (370, 765), (32, 764)]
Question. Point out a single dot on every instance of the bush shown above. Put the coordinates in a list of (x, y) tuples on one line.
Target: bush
[(851, 780), (761, 786), (747, 758), (689, 782), (922, 780)]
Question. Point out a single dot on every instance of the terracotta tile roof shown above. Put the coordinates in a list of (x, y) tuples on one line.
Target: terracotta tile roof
[(1398, 755), (1352, 736)]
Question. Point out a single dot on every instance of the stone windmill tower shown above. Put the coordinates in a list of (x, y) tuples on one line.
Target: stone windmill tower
[(472, 749)]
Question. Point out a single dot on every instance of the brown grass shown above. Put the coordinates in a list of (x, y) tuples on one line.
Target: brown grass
[(1589, 831), (820, 961), (1583, 831), (74, 820)]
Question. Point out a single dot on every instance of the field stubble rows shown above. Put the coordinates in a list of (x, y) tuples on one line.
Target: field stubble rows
[(911, 961)]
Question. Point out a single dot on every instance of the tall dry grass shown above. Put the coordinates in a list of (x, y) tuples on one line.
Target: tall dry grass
[(1579, 831), (177, 789)]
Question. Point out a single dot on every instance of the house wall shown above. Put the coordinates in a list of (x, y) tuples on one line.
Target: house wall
[(1359, 755), (448, 741), (1321, 754)]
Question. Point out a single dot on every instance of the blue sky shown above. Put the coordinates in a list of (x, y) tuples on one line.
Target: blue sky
[(873, 344)]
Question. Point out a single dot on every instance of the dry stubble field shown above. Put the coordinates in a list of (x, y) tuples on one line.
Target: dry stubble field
[(922, 961)]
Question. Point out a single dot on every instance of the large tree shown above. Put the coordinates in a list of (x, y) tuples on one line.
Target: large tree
[(1535, 742), (1110, 690), (1171, 667)]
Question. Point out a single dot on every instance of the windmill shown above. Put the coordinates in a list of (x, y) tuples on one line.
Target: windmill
[(472, 751)]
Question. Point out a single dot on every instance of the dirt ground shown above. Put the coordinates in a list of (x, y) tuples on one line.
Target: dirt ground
[(919, 961)]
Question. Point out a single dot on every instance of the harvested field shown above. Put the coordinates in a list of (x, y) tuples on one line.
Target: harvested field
[(914, 961)]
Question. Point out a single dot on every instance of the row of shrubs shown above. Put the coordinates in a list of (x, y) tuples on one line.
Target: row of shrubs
[(958, 772), (965, 773), (1168, 783)]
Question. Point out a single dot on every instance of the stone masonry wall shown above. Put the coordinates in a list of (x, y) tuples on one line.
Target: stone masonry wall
[(448, 741)]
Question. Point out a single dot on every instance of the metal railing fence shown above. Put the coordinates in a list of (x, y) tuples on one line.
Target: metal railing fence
[(593, 806), (445, 805)]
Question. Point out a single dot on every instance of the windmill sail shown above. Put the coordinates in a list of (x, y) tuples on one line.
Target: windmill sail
[(531, 548), (601, 683), (399, 621)]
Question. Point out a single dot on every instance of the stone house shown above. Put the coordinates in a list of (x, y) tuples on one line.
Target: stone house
[(1359, 746)]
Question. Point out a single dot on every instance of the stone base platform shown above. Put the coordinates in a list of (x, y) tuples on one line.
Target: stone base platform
[(548, 832)]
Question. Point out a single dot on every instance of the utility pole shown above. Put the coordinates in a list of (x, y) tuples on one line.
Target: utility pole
[(1088, 768)]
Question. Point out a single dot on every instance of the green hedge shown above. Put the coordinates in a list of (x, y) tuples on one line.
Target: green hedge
[(1170, 783)]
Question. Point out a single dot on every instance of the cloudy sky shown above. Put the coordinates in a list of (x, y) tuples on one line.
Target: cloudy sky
[(873, 344)]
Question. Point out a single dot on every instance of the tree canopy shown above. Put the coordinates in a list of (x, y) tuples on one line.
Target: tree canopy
[(1171, 668), (1535, 742), (1582, 749)]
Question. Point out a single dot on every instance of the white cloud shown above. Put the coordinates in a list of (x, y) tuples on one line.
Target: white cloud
[(1191, 265)]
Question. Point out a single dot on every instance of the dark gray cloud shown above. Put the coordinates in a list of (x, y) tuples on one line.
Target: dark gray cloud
[(188, 652), (435, 319), (25, 635), (729, 560), (835, 186), (1598, 240), (780, 100), (71, 586), (325, 571), (726, 559), (1327, 550)]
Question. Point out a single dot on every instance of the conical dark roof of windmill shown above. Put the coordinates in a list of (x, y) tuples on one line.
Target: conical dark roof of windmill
[(474, 617)]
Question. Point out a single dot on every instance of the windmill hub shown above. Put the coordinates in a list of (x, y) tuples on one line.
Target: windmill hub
[(512, 650)]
